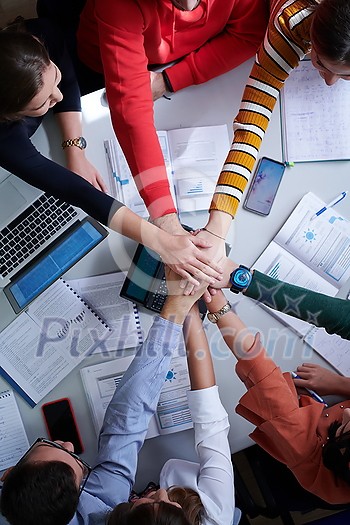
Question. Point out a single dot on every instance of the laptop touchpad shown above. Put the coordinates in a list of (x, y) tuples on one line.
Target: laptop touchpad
[(11, 200)]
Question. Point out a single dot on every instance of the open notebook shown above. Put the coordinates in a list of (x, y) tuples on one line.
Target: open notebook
[(315, 255), (315, 117)]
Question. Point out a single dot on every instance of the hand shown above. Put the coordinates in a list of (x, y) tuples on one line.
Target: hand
[(182, 254), (322, 380), (215, 253), (157, 85), (177, 305), (228, 267), (82, 167)]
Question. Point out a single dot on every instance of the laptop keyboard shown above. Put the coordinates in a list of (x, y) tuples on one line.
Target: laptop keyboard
[(32, 228)]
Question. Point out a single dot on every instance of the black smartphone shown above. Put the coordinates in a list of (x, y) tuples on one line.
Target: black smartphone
[(263, 188), (61, 424)]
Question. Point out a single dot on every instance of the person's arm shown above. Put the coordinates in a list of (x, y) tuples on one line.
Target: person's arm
[(128, 414), (330, 313), (181, 252), (279, 54), (321, 380), (284, 429), (130, 101), (244, 29), (235, 333), (68, 110), (135, 400), (215, 483), (71, 128)]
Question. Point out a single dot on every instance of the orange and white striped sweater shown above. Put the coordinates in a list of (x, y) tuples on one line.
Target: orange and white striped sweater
[(286, 42)]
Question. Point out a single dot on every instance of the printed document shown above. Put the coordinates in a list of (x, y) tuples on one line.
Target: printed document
[(43, 344), (193, 158), (315, 117), (312, 254), (172, 415)]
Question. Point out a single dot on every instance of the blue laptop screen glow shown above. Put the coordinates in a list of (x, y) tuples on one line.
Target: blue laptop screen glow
[(51, 266)]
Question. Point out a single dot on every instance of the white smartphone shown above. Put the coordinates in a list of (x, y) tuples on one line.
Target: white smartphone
[(263, 188)]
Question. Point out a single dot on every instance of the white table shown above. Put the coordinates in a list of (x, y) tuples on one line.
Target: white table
[(213, 103)]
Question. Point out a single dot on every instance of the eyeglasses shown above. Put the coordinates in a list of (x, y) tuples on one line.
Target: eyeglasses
[(83, 465)]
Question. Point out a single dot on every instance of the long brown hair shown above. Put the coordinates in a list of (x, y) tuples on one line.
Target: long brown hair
[(23, 59)]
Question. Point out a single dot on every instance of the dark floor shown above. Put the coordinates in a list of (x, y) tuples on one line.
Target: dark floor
[(248, 476)]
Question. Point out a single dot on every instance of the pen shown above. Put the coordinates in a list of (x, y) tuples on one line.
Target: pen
[(330, 204), (311, 392)]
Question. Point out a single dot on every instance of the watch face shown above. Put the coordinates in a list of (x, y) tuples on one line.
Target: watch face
[(241, 277), (82, 143)]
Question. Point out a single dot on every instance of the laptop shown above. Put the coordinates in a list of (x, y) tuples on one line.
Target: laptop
[(41, 237)]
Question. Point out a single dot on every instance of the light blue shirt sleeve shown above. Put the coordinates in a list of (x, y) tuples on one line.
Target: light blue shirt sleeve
[(125, 425), (127, 418)]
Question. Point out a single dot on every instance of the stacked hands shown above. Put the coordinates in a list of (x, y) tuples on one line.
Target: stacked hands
[(198, 257)]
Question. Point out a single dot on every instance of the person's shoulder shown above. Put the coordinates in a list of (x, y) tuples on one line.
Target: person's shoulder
[(46, 31)]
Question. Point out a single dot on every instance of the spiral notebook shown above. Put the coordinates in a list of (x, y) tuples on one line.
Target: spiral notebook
[(13, 437), (102, 294), (47, 341)]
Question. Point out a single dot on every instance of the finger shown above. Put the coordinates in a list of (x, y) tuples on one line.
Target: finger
[(206, 296), (201, 243), (187, 276), (305, 367), (212, 291), (212, 270), (190, 289), (201, 276), (102, 184), (303, 375)]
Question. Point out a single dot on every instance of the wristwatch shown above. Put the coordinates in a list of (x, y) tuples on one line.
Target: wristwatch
[(240, 279), (213, 317), (79, 142)]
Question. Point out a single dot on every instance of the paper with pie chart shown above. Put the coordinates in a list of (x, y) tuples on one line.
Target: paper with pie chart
[(312, 254)]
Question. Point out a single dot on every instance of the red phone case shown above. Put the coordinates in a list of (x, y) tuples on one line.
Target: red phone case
[(66, 400)]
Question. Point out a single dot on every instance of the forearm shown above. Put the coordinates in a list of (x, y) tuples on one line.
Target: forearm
[(70, 124), (200, 364), (127, 223), (130, 100), (321, 310), (219, 223), (234, 332), (134, 403)]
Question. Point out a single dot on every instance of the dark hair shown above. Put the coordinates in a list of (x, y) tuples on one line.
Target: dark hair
[(23, 59), (43, 492), (330, 30), (336, 452), (161, 513)]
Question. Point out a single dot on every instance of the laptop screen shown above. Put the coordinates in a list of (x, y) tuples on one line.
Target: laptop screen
[(62, 255)]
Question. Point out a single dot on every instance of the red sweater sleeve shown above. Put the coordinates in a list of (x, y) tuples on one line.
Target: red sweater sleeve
[(238, 41), (130, 100)]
